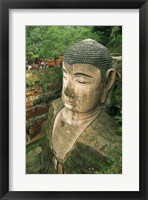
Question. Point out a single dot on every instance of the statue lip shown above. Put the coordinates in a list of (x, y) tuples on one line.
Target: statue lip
[(66, 100)]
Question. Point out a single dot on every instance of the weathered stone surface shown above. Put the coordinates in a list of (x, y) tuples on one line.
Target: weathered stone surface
[(60, 169), (83, 159), (36, 115), (53, 86), (93, 153), (35, 139), (34, 120), (34, 91), (37, 161), (35, 129), (36, 110), (34, 125), (57, 105), (33, 161), (97, 150), (29, 105), (45, 97), (41, 87)]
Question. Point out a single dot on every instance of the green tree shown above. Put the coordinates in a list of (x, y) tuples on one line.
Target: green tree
[(110, 36), (48, 41)]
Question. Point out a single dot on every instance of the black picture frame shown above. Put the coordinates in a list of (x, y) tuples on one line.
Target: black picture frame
[(5, 5)]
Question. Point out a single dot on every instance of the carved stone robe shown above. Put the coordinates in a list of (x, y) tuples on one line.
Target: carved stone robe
[(96, 151)]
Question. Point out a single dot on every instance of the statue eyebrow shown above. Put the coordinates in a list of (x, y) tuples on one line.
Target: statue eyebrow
[(81, 74)]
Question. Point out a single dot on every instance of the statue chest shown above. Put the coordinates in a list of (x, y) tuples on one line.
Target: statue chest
[(64, 136)]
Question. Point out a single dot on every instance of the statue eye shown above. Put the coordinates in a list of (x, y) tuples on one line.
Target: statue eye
[(82, 82), (83, 79)]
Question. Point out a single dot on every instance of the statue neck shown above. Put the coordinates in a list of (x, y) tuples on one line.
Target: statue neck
[(76, 118), (68, 126)]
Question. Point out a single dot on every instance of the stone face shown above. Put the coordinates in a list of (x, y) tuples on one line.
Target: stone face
[(81, 87)]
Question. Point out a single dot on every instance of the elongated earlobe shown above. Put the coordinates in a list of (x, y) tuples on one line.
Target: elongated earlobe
[(110, 79)]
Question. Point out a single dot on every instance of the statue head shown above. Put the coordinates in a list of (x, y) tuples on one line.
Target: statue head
[(88, 76)]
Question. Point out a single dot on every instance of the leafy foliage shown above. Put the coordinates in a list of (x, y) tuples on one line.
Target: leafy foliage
[(104, 33), (35, 145), (51, 41), (46, 78), (114, 161), (110, 36)]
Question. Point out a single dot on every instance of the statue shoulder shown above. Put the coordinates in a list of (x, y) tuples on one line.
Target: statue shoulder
[(57, 105), (54, 107), (102, 134), (98, 149), (108, 123)]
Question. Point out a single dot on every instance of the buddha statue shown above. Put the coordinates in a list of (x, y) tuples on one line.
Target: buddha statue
[(83, 136)]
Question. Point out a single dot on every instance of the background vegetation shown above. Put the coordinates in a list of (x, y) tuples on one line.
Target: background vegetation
[(51, 41)]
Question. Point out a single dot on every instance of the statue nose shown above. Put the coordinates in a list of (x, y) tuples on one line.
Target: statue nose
[(69, 92)]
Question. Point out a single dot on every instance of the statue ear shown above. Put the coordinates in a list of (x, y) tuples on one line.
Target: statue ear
[(110, 79)]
